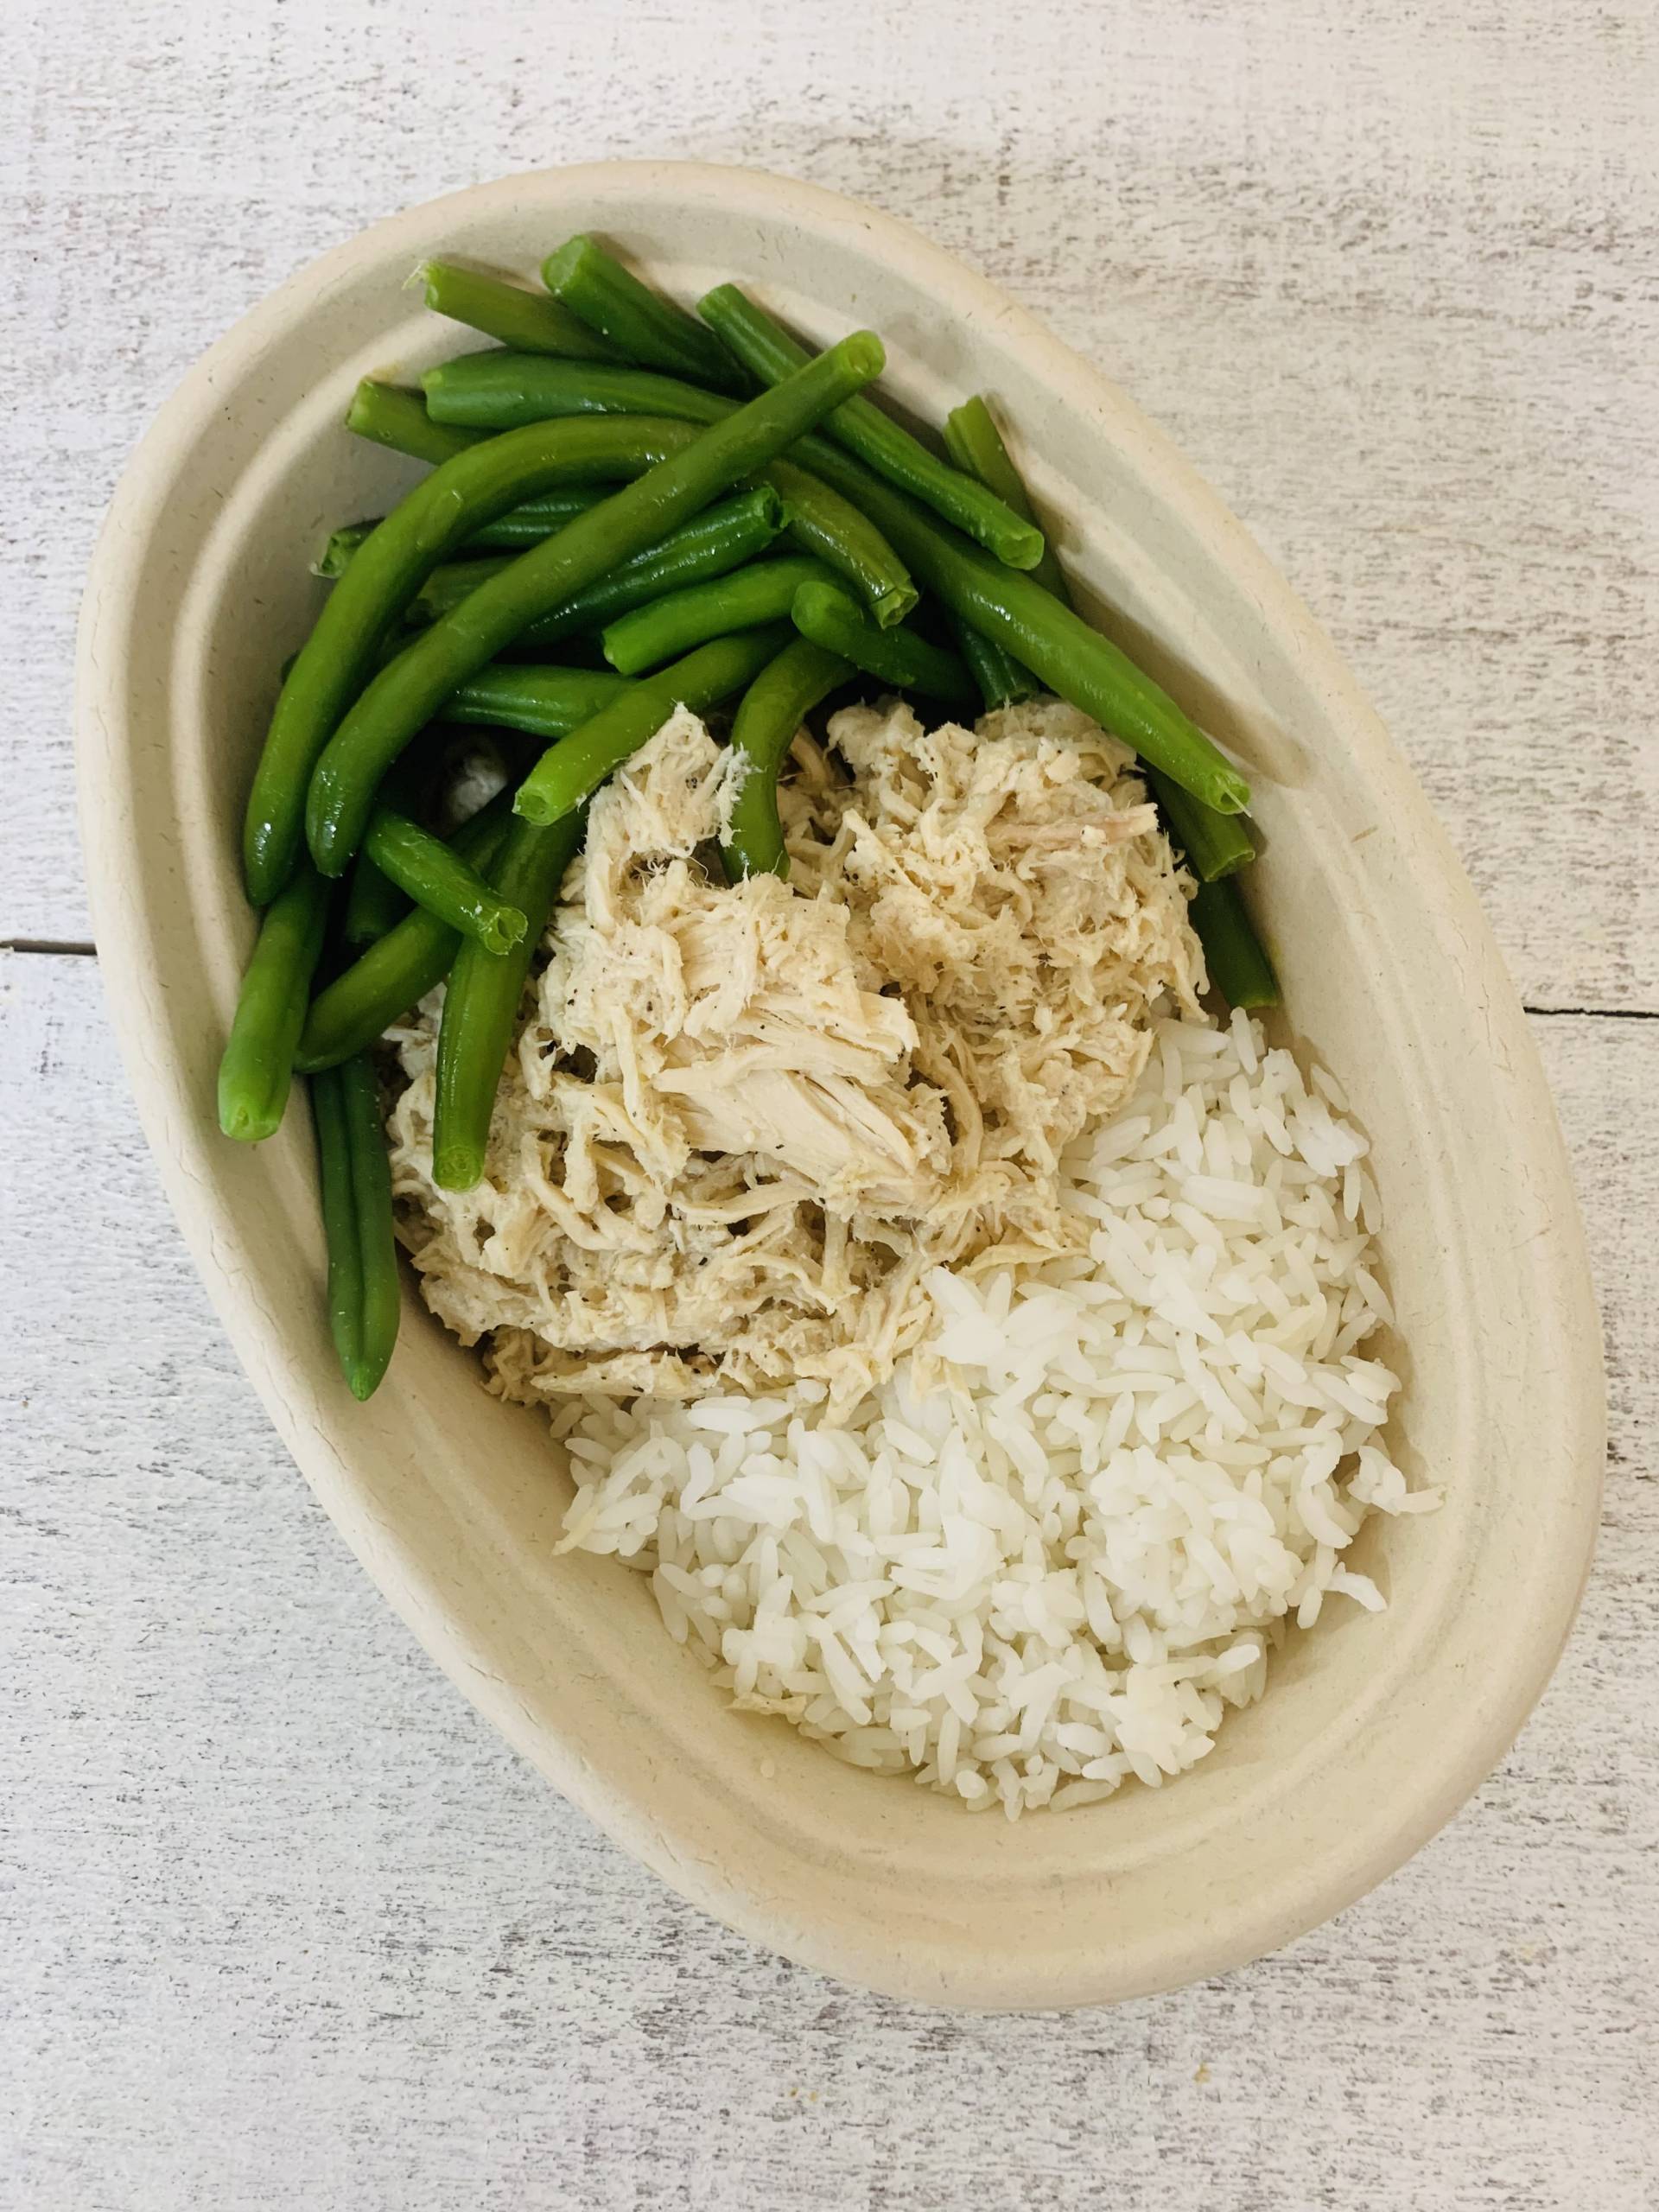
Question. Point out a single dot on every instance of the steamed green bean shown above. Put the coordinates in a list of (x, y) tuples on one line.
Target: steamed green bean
[(364, 1292), (568, 773), (480, 1003), (530, 321), (898, 657), (437, 878), (635, 322), (1239, 967), (768, 715), (258, 1058), (763, 591)]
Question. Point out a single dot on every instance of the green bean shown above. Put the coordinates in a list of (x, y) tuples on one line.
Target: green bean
[(339, 1222), (764, 592), (1239, 968), (549, 702), (395, 973), (536, 519), (406, 695), (899, 657), (258, 1057), (480, 1004), (834, 531), (364, 1296), (498, 390), (506, 391), (859, 425), (714, 541), (768, 715), (568, 773), (397, 418), (638, 323), (526, 526), (509, 312), (1215, 844), (337, 659), (436, 878), (340, 546), (377, 1243), (1003, 682), (973, 442), (389, 416)]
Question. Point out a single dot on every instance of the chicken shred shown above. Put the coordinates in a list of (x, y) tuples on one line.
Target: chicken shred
[(743, 1121)]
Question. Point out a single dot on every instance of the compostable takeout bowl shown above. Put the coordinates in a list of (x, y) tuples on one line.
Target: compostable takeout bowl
[(1376, 1726)]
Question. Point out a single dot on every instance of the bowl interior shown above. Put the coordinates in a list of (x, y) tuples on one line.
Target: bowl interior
[(1376, 1726)]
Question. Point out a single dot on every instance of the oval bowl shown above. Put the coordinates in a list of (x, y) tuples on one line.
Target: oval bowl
[(1376, 1727)]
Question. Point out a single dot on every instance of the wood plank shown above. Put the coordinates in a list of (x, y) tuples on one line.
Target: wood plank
[(285, 1925), (1376, 271)]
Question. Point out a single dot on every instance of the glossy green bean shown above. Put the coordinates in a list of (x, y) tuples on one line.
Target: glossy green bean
[(714, 541), (397, 418), (258, 1057), (767, 350), (975, 444), (568, 773), (763, 591), (771, 711), (898, 657), (1239, 968), (548, 702), (526, 526), (1003, 681), (637, 322), (481, 1003), (406, 694), (1215, 845), (436, 877), (519, 317), (388, 415), (339, 1222), (498, 390), (834, 531), (392, 975), (506, 391), (364, 1294), (338, 658)]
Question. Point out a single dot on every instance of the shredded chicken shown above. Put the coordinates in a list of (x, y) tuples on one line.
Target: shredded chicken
[(744, 1119)]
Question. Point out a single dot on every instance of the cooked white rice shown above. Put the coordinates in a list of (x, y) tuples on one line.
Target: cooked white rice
[(1056, 1547)]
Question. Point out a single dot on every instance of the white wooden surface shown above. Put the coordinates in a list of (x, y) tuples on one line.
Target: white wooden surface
[(281, 1925)]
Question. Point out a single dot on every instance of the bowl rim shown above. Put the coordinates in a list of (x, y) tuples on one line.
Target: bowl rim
[(173, 1122)]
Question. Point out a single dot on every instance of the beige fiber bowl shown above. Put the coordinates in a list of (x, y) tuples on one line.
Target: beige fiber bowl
[(1376, 1726)]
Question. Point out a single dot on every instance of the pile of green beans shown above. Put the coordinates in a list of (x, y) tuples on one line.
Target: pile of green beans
[(616, 474), (484, 392)]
